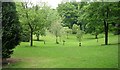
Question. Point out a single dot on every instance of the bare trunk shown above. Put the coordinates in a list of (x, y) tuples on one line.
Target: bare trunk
[(31, 42), (31, 35), (57, 40), (106, 32), (67, 35), (96, 36), (106, 25)]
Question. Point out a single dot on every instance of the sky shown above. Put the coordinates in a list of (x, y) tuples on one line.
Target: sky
[(52, 3)]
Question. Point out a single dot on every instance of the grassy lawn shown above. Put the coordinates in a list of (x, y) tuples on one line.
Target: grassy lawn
[(50, 55)]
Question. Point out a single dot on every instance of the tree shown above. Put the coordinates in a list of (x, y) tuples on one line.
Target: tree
[(107, 14), (67, 31), (93, 15), (25, 34), (11, 29), (94, 28), (43, 15), (75, 28), (104, 14), (55, 23), (55, 29), (35, 17), (79, 36), (64, 31), (40, 32), (68, 12), (28, 20)]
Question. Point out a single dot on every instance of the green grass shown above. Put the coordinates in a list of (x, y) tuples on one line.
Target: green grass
[(50, 55)]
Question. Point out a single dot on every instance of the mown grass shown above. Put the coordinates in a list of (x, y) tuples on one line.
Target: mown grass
[(50, 55)]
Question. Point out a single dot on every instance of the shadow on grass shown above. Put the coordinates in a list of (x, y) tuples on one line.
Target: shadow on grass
[(110, 44), (32, 46), (38, 40), (94, 37)]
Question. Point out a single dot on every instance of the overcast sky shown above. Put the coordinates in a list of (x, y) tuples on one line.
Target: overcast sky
[(52, 3)]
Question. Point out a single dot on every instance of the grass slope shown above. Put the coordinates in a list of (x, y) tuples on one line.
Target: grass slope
[(50, 55)]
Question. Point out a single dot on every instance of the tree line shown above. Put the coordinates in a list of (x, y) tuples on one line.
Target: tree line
[(92, 17)]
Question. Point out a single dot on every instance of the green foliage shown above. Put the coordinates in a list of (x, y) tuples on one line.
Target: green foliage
[(38, 18), (67, 31), (11, 28), (68, 12), (94, 28), (56, 29), (55, 26), (98, 16), (75, 28), (79, 35), (25, 35)]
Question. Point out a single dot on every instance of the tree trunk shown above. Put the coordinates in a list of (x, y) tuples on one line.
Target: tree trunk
[(96, 36), (38, 38), (67, 35), (31, 42), (56, 41), (81, 27), (106, 25), (56, 38), (31, 34), (106, 32), (31, 37)]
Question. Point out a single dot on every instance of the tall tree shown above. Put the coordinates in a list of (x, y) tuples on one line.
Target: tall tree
[(35, 17), (103, 15), (11, 29), (68, 12), (26, 8)]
